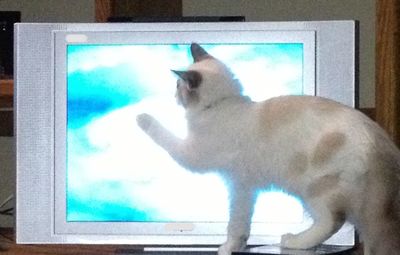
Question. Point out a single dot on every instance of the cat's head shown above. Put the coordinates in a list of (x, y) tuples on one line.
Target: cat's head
[(205, 82)]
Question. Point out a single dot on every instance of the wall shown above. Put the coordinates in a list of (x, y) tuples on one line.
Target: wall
[(51, 10), (280, 10)]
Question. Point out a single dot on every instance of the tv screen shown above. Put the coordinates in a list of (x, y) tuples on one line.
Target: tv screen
[(106, 180), (108, 85)]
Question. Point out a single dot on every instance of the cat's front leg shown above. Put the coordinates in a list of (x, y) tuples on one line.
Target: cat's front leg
[(145, 121), (162, 136), (233, 244), (241, 210), (158, 133)]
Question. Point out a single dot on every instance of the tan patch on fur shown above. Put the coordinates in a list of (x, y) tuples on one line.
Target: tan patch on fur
[(338, 204), (279, 112), (323, 185), (298, 164), (327, 147), (276, 113)]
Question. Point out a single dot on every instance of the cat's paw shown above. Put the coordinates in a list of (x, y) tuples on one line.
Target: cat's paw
[(302, 241), (290, 241), (224, 250), (228, 247), (144, 121)]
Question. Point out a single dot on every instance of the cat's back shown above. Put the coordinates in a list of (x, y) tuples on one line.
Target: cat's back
[(308, 119), (309, 122), (304, 112)]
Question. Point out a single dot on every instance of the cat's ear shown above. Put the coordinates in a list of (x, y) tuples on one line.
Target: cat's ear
[(198, 53), (191, 77)]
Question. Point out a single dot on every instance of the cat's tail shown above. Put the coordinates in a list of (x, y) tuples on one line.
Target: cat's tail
[(380, 211)]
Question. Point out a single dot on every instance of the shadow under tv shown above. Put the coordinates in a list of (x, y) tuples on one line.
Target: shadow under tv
[(85, 172)]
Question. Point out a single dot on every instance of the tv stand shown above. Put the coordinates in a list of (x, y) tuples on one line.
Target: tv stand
[(259, 250), (8, 245)]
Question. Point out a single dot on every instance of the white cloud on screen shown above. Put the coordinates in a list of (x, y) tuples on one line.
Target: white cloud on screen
[(231, 53), (150, 66), (262, 80), (262, 77), (138, 56)]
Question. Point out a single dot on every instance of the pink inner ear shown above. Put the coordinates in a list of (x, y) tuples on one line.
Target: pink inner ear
[(191, 78), (185, 95), (183, 85), (187, 86)]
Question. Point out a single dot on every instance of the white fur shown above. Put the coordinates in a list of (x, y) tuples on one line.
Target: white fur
[(328, 154)]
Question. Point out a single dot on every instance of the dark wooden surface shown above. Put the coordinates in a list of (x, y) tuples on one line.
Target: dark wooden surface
[(8, 246), (104, 9), (6, 105), (137, 8), (148, 8), (388, 67)]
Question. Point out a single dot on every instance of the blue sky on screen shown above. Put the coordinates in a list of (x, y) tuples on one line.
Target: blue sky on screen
[(116, 173)]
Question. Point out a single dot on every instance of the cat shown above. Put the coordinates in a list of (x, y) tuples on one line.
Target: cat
[(341, 163)]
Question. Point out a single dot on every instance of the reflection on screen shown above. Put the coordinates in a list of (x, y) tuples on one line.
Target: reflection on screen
[(116, 173)]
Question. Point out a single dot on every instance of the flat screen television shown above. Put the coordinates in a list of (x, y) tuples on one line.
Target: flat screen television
[(87, 174)]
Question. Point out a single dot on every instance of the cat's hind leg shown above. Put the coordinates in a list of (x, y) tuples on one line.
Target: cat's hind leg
[(326, 223)]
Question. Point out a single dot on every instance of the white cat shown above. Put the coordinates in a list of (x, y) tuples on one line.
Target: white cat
[(342, 164)]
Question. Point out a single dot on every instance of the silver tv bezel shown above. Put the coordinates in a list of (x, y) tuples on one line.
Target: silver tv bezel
[(40, 123)]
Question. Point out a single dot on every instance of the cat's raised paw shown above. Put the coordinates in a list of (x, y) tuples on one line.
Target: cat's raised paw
[(144, 121)]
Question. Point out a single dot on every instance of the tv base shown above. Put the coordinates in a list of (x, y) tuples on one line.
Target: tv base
[(169, 250), (321, 249), (258, 250)]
